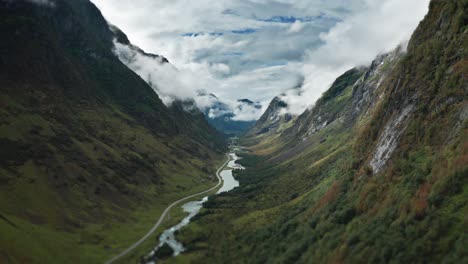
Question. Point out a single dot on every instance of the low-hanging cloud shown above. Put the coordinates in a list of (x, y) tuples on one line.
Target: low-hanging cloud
[(172, 84), (169, 82)]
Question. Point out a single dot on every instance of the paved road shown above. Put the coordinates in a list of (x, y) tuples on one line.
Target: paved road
[(166, 211)]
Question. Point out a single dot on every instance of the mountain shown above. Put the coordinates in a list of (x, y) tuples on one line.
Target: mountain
[(247, 102), (332, 106), (89, 153), (354, 92), (189, 117), (273, 121), (375, 172), (222, 116)]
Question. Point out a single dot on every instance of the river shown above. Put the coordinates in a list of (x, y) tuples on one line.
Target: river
[(193, 208)]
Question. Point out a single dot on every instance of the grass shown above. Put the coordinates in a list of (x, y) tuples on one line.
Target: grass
[(95, 243), (66, 196)]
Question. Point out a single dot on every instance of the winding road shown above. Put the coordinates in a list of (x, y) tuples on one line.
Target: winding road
[(166, 211)]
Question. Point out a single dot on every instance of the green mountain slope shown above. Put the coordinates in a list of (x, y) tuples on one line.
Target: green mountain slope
[(89, 154), (376, 172)]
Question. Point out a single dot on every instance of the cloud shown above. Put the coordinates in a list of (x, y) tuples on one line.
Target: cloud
[(214, 113), (379, 27), (259, 49), (247, 112), (169, 82), (229, 41), (173, 84), (296, 27)]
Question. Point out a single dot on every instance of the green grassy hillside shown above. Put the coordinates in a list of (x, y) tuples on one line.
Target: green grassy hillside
[(89, 154), (383, 181)]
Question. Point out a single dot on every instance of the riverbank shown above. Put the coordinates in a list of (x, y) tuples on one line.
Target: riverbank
[(167, 241), (141, 247)]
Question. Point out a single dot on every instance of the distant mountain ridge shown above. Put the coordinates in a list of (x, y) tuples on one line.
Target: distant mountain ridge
[(250, 103), (222, 116)]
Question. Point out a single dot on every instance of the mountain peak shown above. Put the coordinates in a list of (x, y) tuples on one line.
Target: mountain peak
[(275, 115)]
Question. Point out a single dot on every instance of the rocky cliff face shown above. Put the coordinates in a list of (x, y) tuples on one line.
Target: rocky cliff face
[(331, 107), (431, 77), (367, 92)]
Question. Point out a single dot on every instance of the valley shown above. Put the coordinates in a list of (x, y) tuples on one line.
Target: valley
[(167, 237), (167, 210), (112, 154)]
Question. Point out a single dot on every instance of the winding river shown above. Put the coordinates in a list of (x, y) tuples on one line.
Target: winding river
[(194, 207)]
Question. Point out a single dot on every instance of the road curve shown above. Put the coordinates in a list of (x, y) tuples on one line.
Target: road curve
[(166, 211)]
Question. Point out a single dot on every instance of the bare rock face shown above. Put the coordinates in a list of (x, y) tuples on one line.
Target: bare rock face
[(388, 141), (332, 107), (336, 105), (350, 99), (367, 91)]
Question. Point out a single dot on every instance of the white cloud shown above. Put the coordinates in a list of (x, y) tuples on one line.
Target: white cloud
[(214, 113), (296, 27), (379, 27), (260, 49), (247, 113), (170, 83), (173, 84)]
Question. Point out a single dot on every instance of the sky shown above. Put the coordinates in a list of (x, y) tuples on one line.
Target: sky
[(259, 49)]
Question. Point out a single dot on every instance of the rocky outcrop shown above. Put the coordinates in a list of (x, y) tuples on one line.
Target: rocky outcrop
[(367, 91), (331, 107), (388, 141), (275, 116)]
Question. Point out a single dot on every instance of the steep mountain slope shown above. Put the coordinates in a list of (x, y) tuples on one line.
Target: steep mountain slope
[(331, 106), (89, 153), (352, 94), (190, 120), (376, 172)]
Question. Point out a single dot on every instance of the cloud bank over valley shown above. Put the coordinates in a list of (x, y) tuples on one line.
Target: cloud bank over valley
[(260, 49)]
